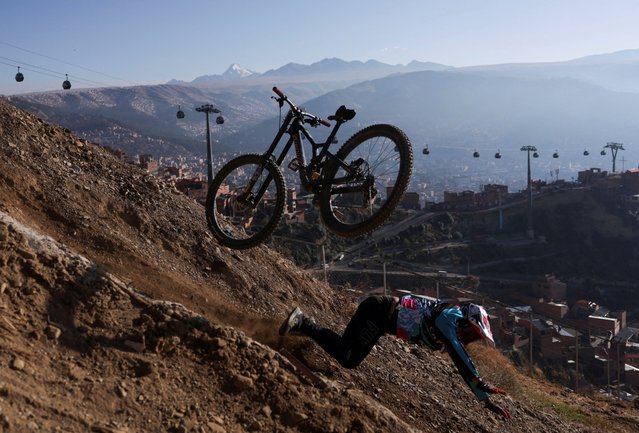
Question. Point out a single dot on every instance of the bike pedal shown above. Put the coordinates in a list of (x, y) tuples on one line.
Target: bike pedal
[(315, 175)]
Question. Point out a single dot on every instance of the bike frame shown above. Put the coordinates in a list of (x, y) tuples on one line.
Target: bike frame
[(293, 124)]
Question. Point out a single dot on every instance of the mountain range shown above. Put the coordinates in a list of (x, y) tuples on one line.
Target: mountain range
[(332, 69), (563, 106)]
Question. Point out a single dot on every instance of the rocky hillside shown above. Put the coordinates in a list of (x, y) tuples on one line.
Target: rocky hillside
[(119, 313)]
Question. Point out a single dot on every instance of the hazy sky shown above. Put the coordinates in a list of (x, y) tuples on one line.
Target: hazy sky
[(119, 43)]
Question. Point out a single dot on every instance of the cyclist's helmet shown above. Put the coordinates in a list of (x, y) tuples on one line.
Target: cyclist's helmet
[(476, 326)]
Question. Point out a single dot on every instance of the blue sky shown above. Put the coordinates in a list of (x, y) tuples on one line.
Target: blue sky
[(120, 43)]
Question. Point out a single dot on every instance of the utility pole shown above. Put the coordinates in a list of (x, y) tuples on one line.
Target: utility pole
[(440, 275), (528, 149), (618, 370), (501, 211), (530, 349), (576, 360), (324, 264), (614, 148), (207, 109), (384, 267), (608, 366)]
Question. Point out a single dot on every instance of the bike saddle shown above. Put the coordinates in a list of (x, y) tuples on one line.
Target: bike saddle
[(342, 114)]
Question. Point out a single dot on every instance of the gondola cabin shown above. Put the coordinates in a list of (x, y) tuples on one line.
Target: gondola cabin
[(19, 76), (66, 84)]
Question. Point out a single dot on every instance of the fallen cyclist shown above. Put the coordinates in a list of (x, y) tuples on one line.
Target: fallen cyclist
[(437, 324)]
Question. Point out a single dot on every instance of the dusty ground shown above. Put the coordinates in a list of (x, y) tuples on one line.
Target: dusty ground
[(120, 313)]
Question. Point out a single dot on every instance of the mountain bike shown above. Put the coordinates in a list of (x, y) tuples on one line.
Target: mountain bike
[(356, 189)]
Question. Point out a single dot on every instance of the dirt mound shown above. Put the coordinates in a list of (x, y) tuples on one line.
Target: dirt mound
[(119, 313), (87, 353)]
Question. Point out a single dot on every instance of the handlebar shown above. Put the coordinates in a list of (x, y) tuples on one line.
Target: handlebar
[(312, 119), (279, 92)]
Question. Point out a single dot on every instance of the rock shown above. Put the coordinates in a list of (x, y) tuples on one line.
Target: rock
[(27, 254), (240, 384), (293, 418), (219, 343), (3, 287), (266, 411), (121, 392), (17, 364), (5, 425), (53, 332), (135, 345), (215, 427)]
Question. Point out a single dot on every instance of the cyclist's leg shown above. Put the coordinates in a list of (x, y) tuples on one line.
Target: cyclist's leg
[(370, 321)]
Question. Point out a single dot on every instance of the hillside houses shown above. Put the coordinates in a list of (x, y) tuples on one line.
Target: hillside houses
[(608, 347)]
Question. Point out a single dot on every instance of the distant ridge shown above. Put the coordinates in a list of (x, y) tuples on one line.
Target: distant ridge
[(329, 67)]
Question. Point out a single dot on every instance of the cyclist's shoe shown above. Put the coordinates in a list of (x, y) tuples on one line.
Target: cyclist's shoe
[(292, 323)]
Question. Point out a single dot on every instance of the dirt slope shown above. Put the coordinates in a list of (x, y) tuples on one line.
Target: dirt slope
[(119, 313)]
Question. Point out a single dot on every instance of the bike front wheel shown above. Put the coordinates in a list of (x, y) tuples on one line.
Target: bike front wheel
[(245, 201), (364, 187)]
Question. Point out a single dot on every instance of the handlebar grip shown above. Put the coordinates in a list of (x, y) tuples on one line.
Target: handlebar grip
[(278, 92), (325, 122)]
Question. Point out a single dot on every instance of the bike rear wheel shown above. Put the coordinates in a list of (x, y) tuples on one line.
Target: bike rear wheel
[(380, 162), (233, 214)]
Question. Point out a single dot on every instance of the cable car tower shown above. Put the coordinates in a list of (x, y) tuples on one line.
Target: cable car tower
[(614, 148), (528, 149)]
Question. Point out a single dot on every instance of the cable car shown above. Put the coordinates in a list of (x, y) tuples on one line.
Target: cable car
[(19, 76), (66, 84), (586, 153), (219, 120), (535, 155), (555, 155), (603, 153), (498, 155), (180, 113), (426, 151), (475, 154)]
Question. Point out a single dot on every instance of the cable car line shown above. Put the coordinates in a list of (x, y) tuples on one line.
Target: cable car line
[(51, 73), (69, 64), (27, 69)]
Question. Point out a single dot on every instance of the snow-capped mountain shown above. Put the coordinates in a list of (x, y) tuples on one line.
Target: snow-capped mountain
[(237, 71), (234, 72)]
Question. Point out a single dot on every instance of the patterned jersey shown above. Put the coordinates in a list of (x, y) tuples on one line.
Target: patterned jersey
[(435, 324), (412, 313)]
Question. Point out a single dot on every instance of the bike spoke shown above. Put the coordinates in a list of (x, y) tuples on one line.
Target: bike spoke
[(367, 190)]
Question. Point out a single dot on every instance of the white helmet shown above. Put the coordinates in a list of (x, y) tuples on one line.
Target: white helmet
[(478, 319)]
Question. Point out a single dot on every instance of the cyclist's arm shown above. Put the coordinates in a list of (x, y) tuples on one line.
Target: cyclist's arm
[(447, 324)]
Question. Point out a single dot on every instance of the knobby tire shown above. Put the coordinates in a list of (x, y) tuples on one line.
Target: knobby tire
[(385, 135), (221, 220)]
